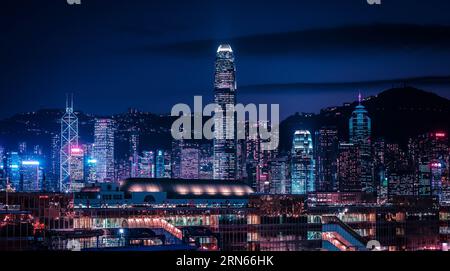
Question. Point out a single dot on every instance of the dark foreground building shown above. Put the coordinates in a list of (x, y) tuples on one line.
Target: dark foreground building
[(170, 214)]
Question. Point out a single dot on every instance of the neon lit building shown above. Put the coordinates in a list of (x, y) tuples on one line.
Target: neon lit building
[(326, 151), (53, 174), (225, 157), (430, 157), (31, 176), (206, 161), (147, 165), (69, 140), (77, 163), (104, 149), (90, 170), (159, 172), (347, 163), (302, 163), (163, 165), (13, 162), (134, 153), (279, 176), (190, 155), (360, 134)]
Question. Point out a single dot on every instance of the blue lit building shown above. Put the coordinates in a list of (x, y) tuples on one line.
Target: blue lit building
[(159, 171), (225, 148), (302, 163), (360, 132), (13, 169), (104, 149), (326, 152), (30, 176)]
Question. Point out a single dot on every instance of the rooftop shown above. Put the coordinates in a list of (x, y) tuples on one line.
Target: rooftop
[(181, 188), (224, 48)]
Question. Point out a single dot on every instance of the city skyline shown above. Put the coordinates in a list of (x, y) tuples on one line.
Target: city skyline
[(358, 159)]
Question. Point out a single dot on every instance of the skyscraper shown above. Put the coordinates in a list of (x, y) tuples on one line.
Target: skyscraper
[(360, 132), (147, 165), (162, 169), (159, 169), (225, 157), (69, 139), (430, 155), (302, 163), (205, 170), (77, 164), (52, 177), (347, 164), (190, 155), (104, 149), (279, 176), (134, 153), (326, 146), (31, 176), (13, 162)]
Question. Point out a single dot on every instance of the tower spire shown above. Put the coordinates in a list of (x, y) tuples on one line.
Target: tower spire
[(359, 97), (69, 139)]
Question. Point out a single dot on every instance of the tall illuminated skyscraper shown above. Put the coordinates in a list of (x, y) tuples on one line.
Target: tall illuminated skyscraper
[(302, 163), (104, 149), (279, 176), (31, 176), (77, 164), (159, 168), (147, 165), (52, 177), (69, 140), (13, 162), (326, 146), (90, 166), (360, 132), (225, 157), (134, 153), (162, 169), (347, 168)]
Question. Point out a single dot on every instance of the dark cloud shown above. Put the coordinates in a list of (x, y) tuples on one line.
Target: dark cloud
[(338, 86), (349, 38)]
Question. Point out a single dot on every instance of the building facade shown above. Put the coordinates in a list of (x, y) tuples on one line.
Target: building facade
[(225, 157), (302, 163)]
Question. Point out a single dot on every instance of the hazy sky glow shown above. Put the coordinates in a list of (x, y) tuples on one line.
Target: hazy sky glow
[(153, 54)]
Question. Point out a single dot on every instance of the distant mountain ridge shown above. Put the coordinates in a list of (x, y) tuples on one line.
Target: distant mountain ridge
[(397, 114)]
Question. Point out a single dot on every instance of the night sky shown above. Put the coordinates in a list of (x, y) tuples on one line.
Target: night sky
[(150, 55)]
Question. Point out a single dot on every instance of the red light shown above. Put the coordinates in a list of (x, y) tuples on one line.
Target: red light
[(440, 134)]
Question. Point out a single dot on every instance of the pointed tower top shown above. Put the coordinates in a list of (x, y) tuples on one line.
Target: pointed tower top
[(69, 102), (359, 97)]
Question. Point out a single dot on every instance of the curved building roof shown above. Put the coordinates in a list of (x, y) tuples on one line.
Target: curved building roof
[(184, 188), (224, 48)]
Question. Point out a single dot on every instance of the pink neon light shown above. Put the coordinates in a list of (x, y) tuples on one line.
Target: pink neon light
[(76, 150)]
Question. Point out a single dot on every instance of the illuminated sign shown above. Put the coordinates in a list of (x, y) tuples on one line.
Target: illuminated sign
[(436, 165), (92, 161), (30, 163), (440, 134), (76, 150)]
